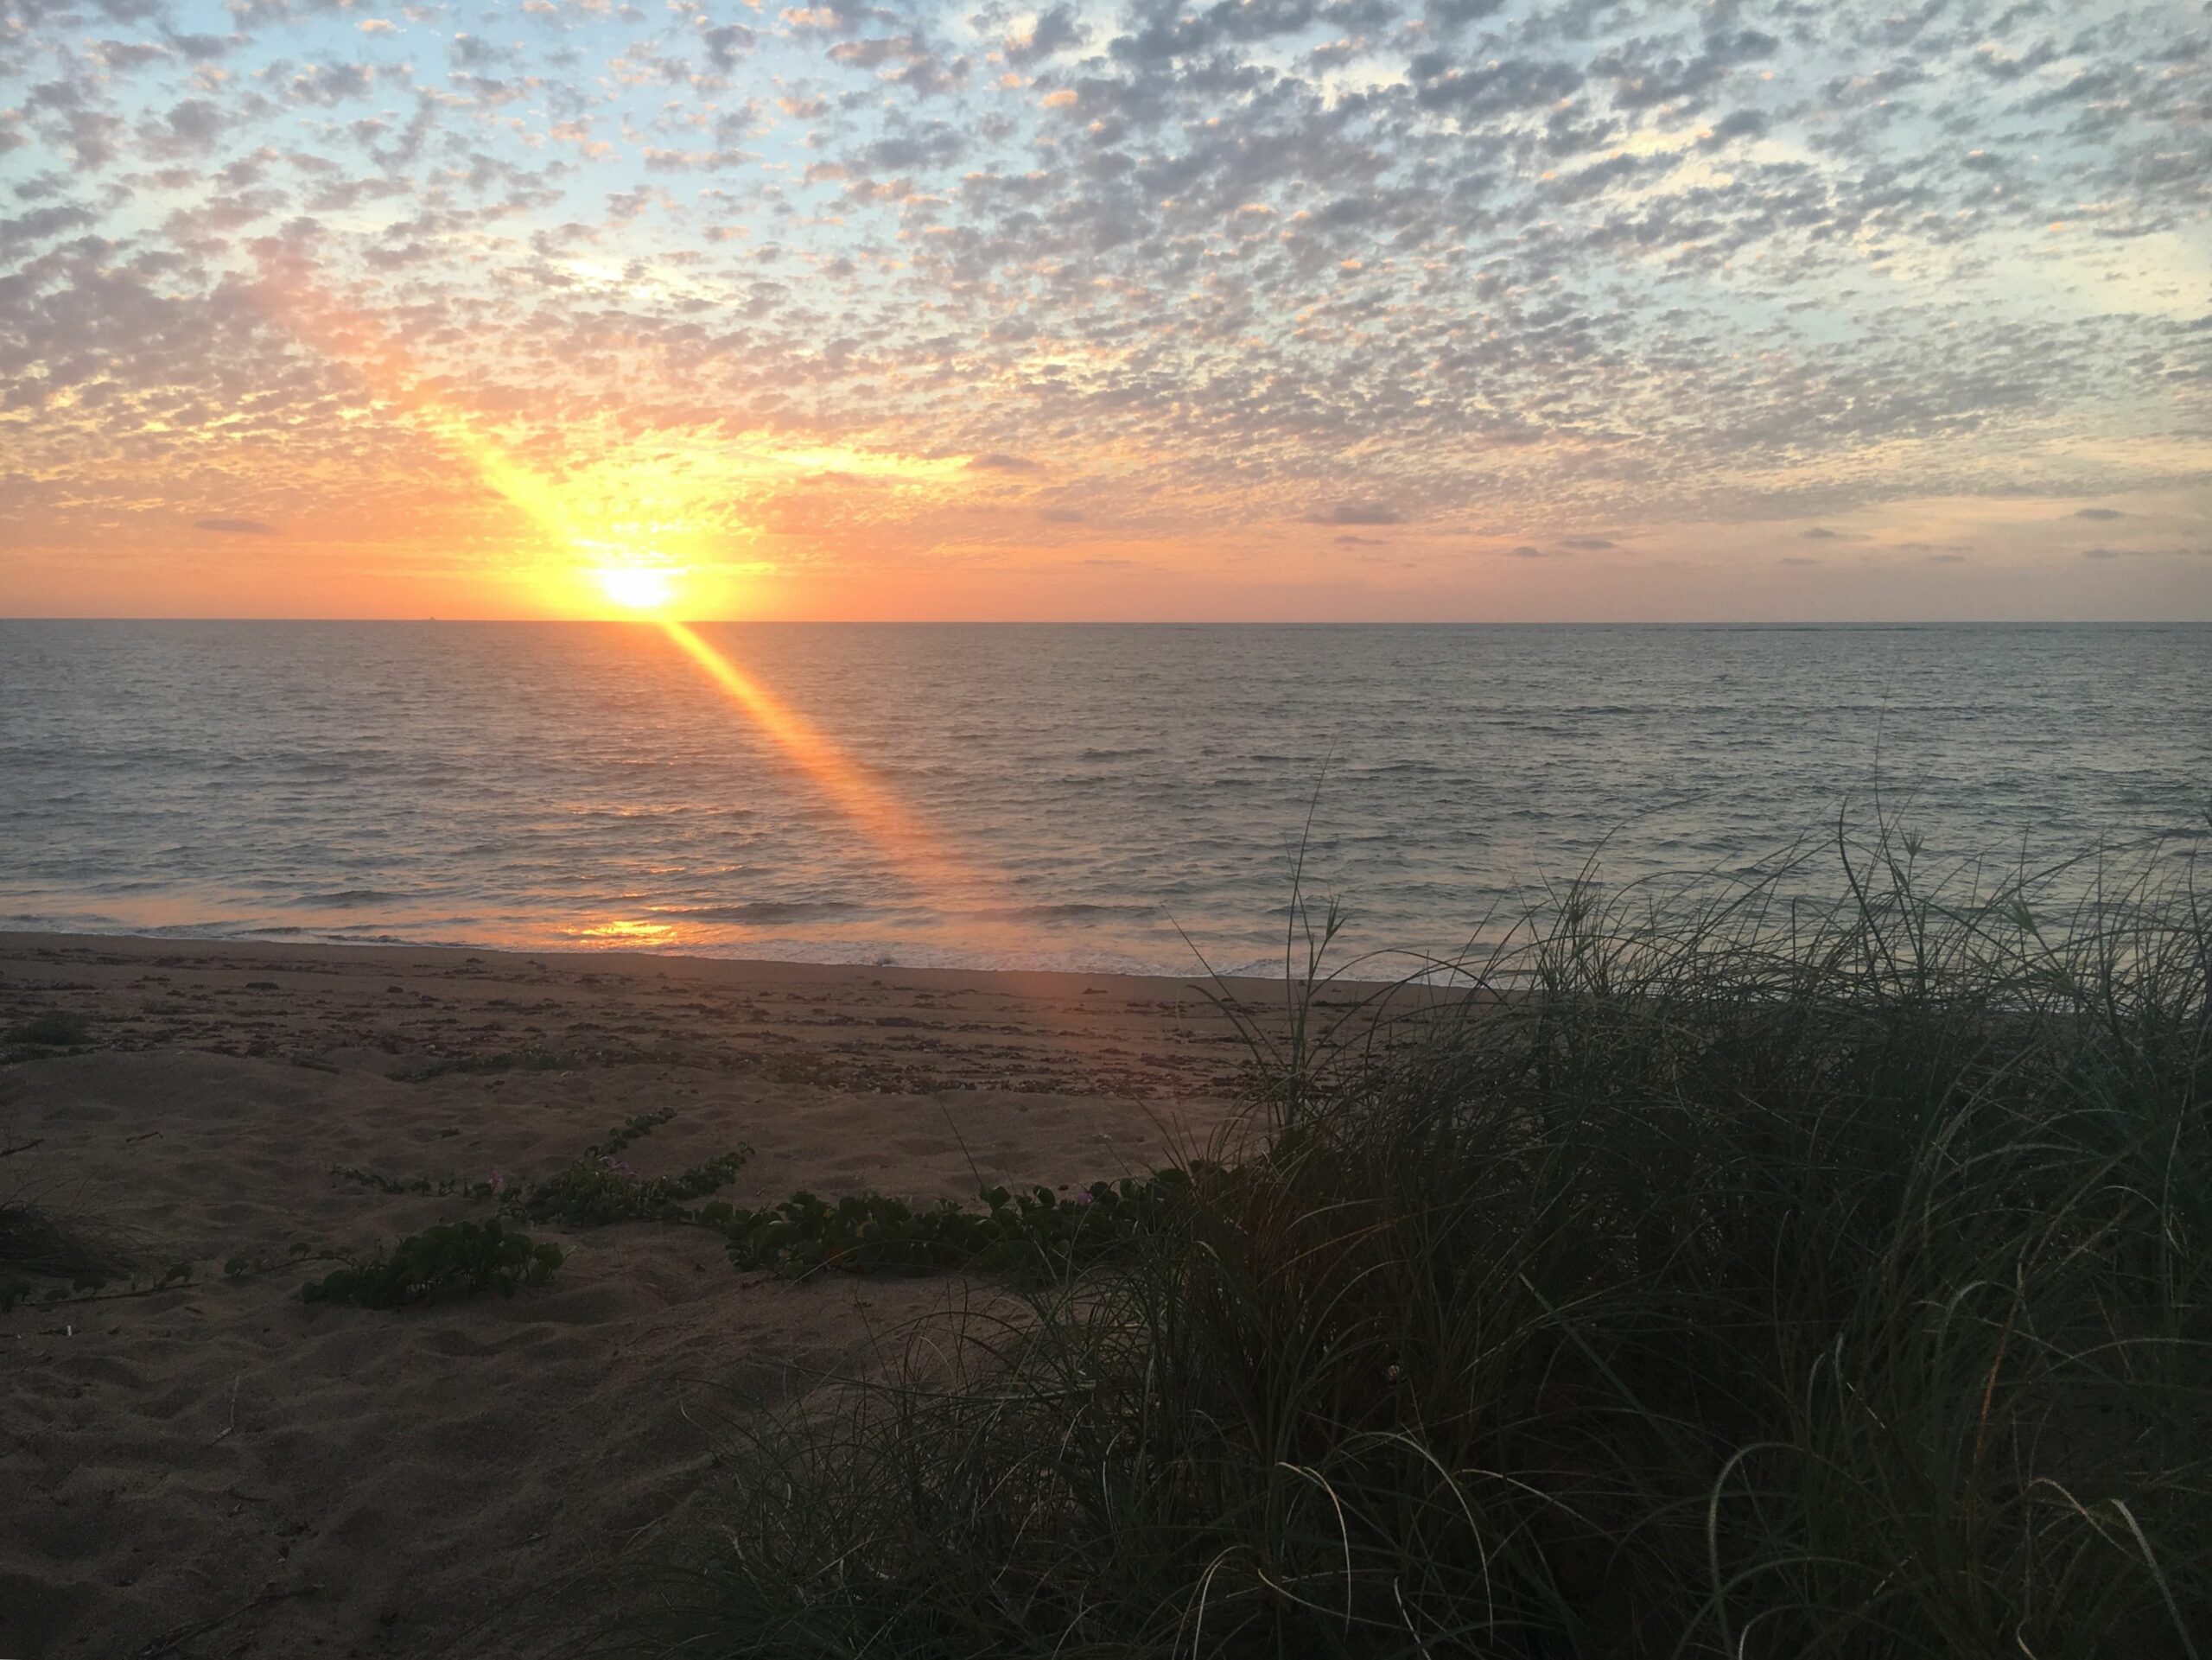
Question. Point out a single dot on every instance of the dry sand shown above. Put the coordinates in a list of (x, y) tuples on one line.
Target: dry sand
[(338, 1481)]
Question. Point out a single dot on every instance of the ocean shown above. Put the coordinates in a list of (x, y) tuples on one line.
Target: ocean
[(1084, 796)]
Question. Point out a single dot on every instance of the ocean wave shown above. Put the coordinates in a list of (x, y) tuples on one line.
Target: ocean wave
[(763, 911), (1070, 911)]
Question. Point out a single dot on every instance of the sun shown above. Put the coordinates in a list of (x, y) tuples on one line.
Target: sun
[(639, 588)]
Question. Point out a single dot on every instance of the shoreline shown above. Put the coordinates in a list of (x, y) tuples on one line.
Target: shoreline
[(15, 942), (290, 936)]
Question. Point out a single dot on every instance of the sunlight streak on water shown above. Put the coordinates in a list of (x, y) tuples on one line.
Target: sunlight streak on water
[(910, 846)]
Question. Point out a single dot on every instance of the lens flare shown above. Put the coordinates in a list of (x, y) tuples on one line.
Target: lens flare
[(347, 335), (903, 840)]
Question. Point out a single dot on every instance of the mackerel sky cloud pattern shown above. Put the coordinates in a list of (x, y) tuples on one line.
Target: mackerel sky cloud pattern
[(1252, 308)]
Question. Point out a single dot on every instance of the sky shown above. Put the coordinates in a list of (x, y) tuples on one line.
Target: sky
[(1299, 309)]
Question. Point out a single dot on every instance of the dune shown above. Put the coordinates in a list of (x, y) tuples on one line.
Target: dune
[(218, 1467)]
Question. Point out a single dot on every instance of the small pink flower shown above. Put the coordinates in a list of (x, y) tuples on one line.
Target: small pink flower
[(1082, 1198), (498, 1183)]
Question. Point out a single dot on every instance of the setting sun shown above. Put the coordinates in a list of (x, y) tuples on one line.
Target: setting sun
[(639, 588)]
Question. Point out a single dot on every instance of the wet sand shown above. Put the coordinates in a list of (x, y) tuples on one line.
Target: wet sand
[(340, 1481)]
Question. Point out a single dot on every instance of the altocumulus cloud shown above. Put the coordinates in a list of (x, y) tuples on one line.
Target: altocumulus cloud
[(1357, 513), (1244, 259)]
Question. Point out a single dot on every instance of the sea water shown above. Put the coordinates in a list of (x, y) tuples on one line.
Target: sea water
[(1093, 797)]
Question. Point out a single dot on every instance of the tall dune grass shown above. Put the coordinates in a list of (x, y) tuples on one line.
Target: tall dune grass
[(1709, 1275)]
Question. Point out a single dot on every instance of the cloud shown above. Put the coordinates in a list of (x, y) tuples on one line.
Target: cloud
[(331, 84), (1476, 91), (1526, 551), (41, 222), (235, 526), (196, 123), (1054, 32), (1357, 513), (2146, 553), (1742, 123), (726, 43), (1696, 270)]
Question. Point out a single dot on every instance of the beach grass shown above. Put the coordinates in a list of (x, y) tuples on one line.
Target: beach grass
[(1707, 1271)]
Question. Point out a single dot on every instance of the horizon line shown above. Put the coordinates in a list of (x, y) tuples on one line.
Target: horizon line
[(1179, 622)]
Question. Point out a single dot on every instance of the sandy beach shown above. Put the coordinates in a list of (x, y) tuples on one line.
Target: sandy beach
[(219, 1469)]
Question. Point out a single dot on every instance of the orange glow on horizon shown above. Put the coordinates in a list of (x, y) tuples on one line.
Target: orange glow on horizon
[(702, 502)]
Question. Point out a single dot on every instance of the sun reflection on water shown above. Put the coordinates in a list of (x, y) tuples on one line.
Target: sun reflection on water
[(617, 931)]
